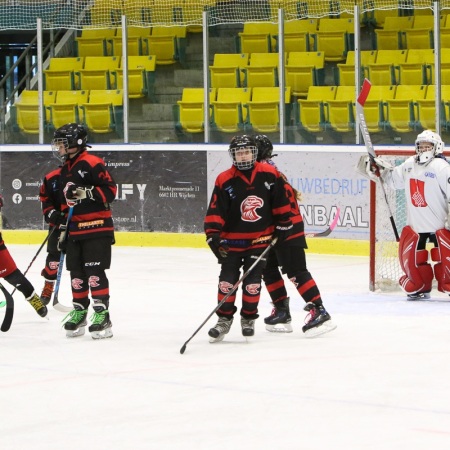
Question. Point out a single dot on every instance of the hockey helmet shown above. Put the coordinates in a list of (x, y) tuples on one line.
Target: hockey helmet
[(265, 147), (240, 146), (71, 135), (428, 145)]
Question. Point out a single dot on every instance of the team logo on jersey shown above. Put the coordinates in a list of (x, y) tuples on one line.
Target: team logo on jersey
[(249, 207), (253, 289), (417, 192), (225, 287)]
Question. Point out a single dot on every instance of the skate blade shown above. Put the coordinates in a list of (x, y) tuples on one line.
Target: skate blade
[(279, 328), (75, 333), (324, 328), (217, 339), (104, 334)]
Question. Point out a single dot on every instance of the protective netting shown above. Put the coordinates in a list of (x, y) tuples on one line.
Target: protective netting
[(75, 14)]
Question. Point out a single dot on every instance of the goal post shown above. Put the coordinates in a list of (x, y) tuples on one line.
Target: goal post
[(384, 266)]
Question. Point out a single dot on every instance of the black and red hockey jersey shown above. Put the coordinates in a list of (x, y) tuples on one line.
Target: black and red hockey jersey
[(50, 194), (245, 206), (90, 218)]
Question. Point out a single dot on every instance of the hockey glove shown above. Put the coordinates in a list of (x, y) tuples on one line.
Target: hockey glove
[(75, 194), (282, 231), (56, 218), (218, 246)]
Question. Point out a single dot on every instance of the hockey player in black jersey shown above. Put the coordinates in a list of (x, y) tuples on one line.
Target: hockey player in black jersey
[(248, 207), (290, 255)]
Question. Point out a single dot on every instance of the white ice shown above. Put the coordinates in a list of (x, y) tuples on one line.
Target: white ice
[(381, 380)]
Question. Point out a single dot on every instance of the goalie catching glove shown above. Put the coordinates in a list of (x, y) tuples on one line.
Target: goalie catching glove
[(218, 246), (373, 170), (76, 194)]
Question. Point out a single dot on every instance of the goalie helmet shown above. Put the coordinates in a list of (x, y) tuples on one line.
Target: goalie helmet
[(428, 145), (71, 135), (243, 152), (265, 147)]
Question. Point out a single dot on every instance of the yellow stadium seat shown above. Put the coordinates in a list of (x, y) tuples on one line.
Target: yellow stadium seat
[(262, 70), (229, 110), (65, 109), (256, 37), (93, 42), (346, 72), (378, 14), (414, 69), (167, 44), (341, 110), (375, 111), (98, 72), (60, 74), (311, 115), (191, 109), (297, 35), (391, 37), (141, 76), (103, 113), (226, 69), (382, 71), (334, 38), (400, 110), (418, 38), (134, 39), (304, 69), (263, 109), (426, 109), (26, 110)]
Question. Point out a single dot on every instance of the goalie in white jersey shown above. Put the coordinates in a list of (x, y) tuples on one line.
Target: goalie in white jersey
[(425, 178)]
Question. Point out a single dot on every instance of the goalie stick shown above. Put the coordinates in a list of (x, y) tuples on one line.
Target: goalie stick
[(58, 306), (360, 101), (9, 313), (328, 231), (233, 289)]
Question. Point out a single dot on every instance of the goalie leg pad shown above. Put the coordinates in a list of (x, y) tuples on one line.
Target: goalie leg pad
[(418, 273), (441, 254)]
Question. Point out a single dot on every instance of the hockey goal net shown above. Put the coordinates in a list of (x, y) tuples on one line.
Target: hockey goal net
[(385, 269)]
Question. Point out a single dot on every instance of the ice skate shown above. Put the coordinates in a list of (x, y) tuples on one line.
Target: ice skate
[(101, 326), (222, 327), (47, 291), (318, 321), (76, 324), (37, 304), (418, 296), (280, 319), (248, 327)]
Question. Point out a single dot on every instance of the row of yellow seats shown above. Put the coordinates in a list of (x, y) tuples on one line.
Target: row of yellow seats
[(100, 110), (101, 72), (382, 67), (232, 109), (400, 108), (163, 42), (333, 36), (302, 69)]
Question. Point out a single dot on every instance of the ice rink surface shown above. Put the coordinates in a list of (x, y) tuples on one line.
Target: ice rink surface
[(381, 380)]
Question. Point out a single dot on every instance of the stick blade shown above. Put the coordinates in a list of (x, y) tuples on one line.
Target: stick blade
[(183, 349), (9, 313), (365, 89), (59, 307)]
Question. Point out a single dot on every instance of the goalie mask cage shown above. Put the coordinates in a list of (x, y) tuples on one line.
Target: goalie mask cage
[(385, 269)]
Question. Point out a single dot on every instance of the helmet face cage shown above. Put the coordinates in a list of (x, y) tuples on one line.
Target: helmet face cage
[(265, 147), (424, 156), (71, 135), (240, 145)]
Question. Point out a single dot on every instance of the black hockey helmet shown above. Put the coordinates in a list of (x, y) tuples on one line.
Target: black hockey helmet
[(71, 135), (240, 143), (265, 147)]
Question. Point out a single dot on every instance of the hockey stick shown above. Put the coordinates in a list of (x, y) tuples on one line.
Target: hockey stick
[(9, 313), (58, 306), (328, 231), (360, 101), (233, 289), (37, 253)]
